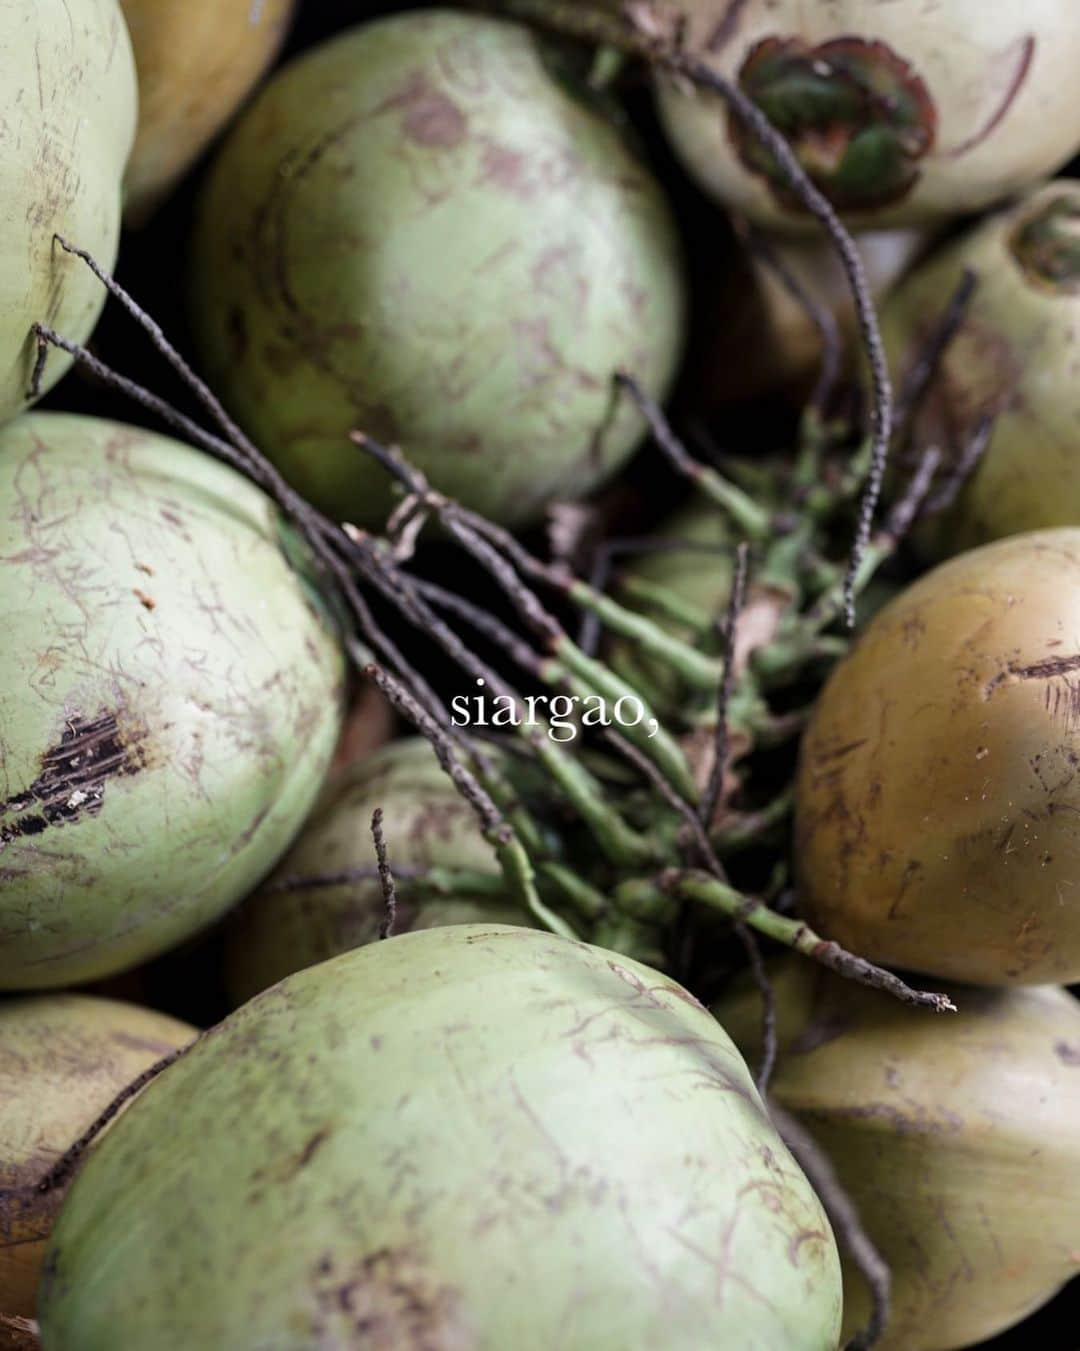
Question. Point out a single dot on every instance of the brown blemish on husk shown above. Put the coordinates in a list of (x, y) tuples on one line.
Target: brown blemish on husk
[(869, 98), (1050, 668), (386, 1301), (74, 775), (26, 1214), (18, 1334)]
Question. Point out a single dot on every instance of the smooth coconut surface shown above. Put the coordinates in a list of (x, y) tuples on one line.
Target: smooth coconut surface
[(170, 695), (473, 1136)]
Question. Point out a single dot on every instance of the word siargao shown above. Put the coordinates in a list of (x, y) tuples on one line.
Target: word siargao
[(562, 715)]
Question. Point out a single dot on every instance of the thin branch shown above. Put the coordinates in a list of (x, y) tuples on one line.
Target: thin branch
[(750, 518), (822, 318), (845, 1221), (908, 506), (60, 1174), (967, 462), (919, 375), (635, 30), (386, 876), (736, 601), (708, 855), (517, 868)]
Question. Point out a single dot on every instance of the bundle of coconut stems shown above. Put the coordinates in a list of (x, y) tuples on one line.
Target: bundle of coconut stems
[(538, 784)]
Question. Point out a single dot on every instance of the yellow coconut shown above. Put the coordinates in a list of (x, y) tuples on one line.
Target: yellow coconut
[(63, 1058), (938, 791), (957, 1137), (197, 62)]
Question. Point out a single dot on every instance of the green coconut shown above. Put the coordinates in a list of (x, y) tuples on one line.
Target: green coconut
[(937, 791), (1013, 359), (422, 229), (170, 695), (67, 110), (902, 113), (473, 1136), (426, 824), (63, 1059), (958, 1138)]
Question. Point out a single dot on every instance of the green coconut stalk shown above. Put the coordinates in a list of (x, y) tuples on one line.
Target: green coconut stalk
[(67, 109), (956, 1140), (170, 695), (937, 786), (63, 1059), (445, 871), (473, 1135), (422, 230), (1012, 361), (900, 115)]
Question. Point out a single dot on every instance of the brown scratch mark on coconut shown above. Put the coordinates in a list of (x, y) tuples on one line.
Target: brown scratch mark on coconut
[(840, 752), (387, 1301), (1048, 669), (1068, 1052), (74, 775), (1022, 53), (27, 1213), (911, 873), (803, 1236), (310, 1149), (147, 602)]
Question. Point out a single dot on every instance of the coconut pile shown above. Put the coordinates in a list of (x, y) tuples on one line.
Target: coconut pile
[(540, 688)]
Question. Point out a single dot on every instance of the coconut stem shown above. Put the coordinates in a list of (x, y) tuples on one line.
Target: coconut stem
[(438, 880), (496, 829), (921, 373), (751, 519), (386, 876), (713, 790), (793, 933), (60, 1174), (669, 605), (822, 319), (642, 31)]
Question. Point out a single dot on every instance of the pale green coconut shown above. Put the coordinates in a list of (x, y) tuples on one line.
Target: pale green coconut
[(170, 695), (67, 121), (427, 825), (902, 112), (469, 1137), (423, 230), (1014, 359)]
